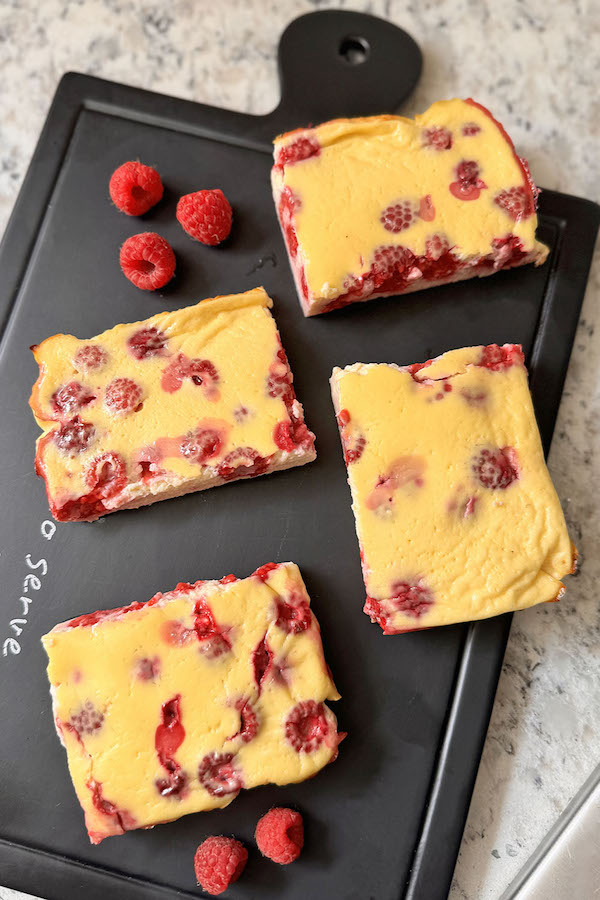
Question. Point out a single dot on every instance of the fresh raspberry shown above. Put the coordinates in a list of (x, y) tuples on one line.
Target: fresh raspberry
[(248, 721), (300, 149), (399, 216), (123, 395), (74, 436), (70, 398), (134, 188), (219, 861), (496, 467), (147, 342), (280, 835), (147, 260), (306, 726), (218, 774), (499, 359), (262, 657), (470, 129), (438, 138), (87, 720), (243, 462), (517, 202), (293, 617), (205, 216), (413, 599), (90, 356), (107, 474), (201, 445), (468, 185)]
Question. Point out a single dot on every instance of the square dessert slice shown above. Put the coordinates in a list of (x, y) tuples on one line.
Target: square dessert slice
[(385, 205), (456, 515), (178, 403), (172, 706)]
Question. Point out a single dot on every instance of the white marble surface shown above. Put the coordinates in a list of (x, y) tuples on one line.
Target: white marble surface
[(536, 64)]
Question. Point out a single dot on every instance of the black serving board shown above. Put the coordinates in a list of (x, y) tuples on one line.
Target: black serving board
[(386, 820)]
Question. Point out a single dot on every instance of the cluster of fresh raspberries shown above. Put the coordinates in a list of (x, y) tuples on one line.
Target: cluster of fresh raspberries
[(221, 860), (147, 259)]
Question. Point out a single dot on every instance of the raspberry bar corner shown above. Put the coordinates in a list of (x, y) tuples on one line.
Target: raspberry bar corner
[(385, 205), (180, 402), (173, 706), (456, 514)]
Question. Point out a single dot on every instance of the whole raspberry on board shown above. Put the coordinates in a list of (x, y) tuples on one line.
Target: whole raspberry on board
[(205, 216), (147, 260), (280, 835), (134, 188), (218, 862)]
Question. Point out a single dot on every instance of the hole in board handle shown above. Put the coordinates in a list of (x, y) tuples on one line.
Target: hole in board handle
[(354, 50)]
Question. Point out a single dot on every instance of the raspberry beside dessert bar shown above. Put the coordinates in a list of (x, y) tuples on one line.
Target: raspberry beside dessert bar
[(456, 515), (384, 205), (172, 706), (156, 409)]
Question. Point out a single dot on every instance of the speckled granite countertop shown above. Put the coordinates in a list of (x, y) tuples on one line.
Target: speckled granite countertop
[(536, 65)]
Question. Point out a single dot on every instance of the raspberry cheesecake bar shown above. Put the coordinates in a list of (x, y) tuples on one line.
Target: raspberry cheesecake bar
[(456, 515), (173, 706), (384, 205), (178, 403)]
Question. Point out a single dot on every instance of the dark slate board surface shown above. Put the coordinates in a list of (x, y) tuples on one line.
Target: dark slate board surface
[(386, 820)]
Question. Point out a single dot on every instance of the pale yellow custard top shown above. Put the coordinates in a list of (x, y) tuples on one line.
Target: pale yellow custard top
[(173, 706), (455, 511)]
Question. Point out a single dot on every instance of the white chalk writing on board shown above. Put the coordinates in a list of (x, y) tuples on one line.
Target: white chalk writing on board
[(31, 582)]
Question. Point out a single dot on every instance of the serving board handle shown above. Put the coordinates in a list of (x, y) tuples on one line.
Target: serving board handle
[(334, 63)]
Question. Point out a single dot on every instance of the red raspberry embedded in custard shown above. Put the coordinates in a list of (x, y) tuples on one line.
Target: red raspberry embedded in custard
[(201, 445), (244, 462), (107, 474), (134, 188), (293, 616), (299, 150), (517, 202), (212, 637), (292, 434), (391, 260), (399, 216), (248, 721), (70, 398), (280, 835), (280, 377), (147, 669), (470, 129), (219, 861), (90, 356), (496, 467), (306, 726), (123, 395), (438, 138), (263, 571), (426, 208), (374, 610), (147, 342), (87, 720), (74, 436), (411, 598), (498, 359), (262, 658), (468, 185), (205, 215), (218, 774)]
